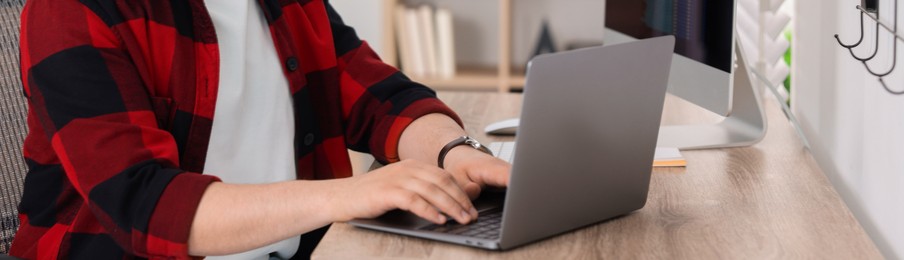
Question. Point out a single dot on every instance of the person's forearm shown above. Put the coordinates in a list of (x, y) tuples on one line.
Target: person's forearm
[(236, 218), (426, 136), (472, 169)]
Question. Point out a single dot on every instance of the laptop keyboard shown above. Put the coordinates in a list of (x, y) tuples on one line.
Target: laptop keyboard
[(503, 150), (487, 226), (489, 223)]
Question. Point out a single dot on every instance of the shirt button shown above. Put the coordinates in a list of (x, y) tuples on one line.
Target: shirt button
[(292, 64), (308, 139)]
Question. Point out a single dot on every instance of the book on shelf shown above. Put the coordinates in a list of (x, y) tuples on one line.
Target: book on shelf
[(445, 43), (418, 64), (425, 42), (402, 38), (428, 39)]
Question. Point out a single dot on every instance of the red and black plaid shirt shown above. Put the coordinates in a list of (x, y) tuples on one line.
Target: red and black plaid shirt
[(122, 94)]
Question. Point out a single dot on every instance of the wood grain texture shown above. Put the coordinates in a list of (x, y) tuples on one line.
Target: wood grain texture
[(766, 201)]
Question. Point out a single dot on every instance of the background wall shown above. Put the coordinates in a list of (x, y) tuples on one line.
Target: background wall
[(366, 17), (476, 26), (856, 129)]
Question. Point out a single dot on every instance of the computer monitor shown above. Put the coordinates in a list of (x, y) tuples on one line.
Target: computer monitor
[(701, 72), (707, 70)]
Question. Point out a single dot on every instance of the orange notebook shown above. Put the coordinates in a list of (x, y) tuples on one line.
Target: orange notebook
[(668, 157)]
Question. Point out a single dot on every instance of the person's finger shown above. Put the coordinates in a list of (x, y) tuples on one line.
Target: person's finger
[(472, 189), (414, 203), (447, 183), (492, 173), (442, 199), (462, 179)]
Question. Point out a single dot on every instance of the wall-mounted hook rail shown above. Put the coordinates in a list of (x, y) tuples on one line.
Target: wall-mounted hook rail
[(851, 47), (893, 30)]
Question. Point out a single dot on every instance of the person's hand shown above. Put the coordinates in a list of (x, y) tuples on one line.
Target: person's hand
[(410, 185), (474, 170)]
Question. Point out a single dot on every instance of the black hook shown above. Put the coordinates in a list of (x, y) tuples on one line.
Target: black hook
[(894, 62), (861, 34), (894, 57), (895, 92), (852, 46)]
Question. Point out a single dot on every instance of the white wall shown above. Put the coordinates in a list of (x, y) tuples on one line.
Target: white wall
[(855, 127), (366, 17)]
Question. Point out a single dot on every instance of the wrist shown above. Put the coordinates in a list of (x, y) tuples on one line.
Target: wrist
[(334, 207), (457, 159), (463, 141)]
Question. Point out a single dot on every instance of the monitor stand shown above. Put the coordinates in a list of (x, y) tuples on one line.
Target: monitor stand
[(745, 125)]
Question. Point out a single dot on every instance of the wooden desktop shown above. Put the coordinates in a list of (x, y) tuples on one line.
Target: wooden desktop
[(765, 201)]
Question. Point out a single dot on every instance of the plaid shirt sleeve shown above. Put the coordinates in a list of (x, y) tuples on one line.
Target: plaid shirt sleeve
[(88, 105), (378, 101)]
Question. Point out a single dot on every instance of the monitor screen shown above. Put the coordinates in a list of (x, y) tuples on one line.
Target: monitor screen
[(702, 28)]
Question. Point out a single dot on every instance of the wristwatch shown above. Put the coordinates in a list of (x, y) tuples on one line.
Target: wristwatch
[(464, 140)]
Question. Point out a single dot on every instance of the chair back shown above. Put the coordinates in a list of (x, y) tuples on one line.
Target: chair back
[(12, 122)]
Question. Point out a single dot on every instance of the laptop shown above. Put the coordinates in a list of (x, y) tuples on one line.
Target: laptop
[(589, 124)]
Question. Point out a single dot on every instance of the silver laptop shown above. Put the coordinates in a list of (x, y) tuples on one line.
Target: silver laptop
[(589, 124)]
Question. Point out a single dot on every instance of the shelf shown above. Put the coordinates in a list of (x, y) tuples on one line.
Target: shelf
[(499, 78), (473, 79)]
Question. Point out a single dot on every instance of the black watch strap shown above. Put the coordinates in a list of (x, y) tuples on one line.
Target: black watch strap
[(464, 140)]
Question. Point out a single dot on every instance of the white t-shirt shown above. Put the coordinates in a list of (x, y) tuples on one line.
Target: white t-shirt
[(253, 127)]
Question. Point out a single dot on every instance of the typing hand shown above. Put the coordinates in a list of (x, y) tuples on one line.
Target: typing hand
[(474, 170), (411, 185)]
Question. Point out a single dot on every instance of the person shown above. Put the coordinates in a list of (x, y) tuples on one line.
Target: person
[(180, 129)]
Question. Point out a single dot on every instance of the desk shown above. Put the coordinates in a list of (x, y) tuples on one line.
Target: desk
[(766, 201)]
